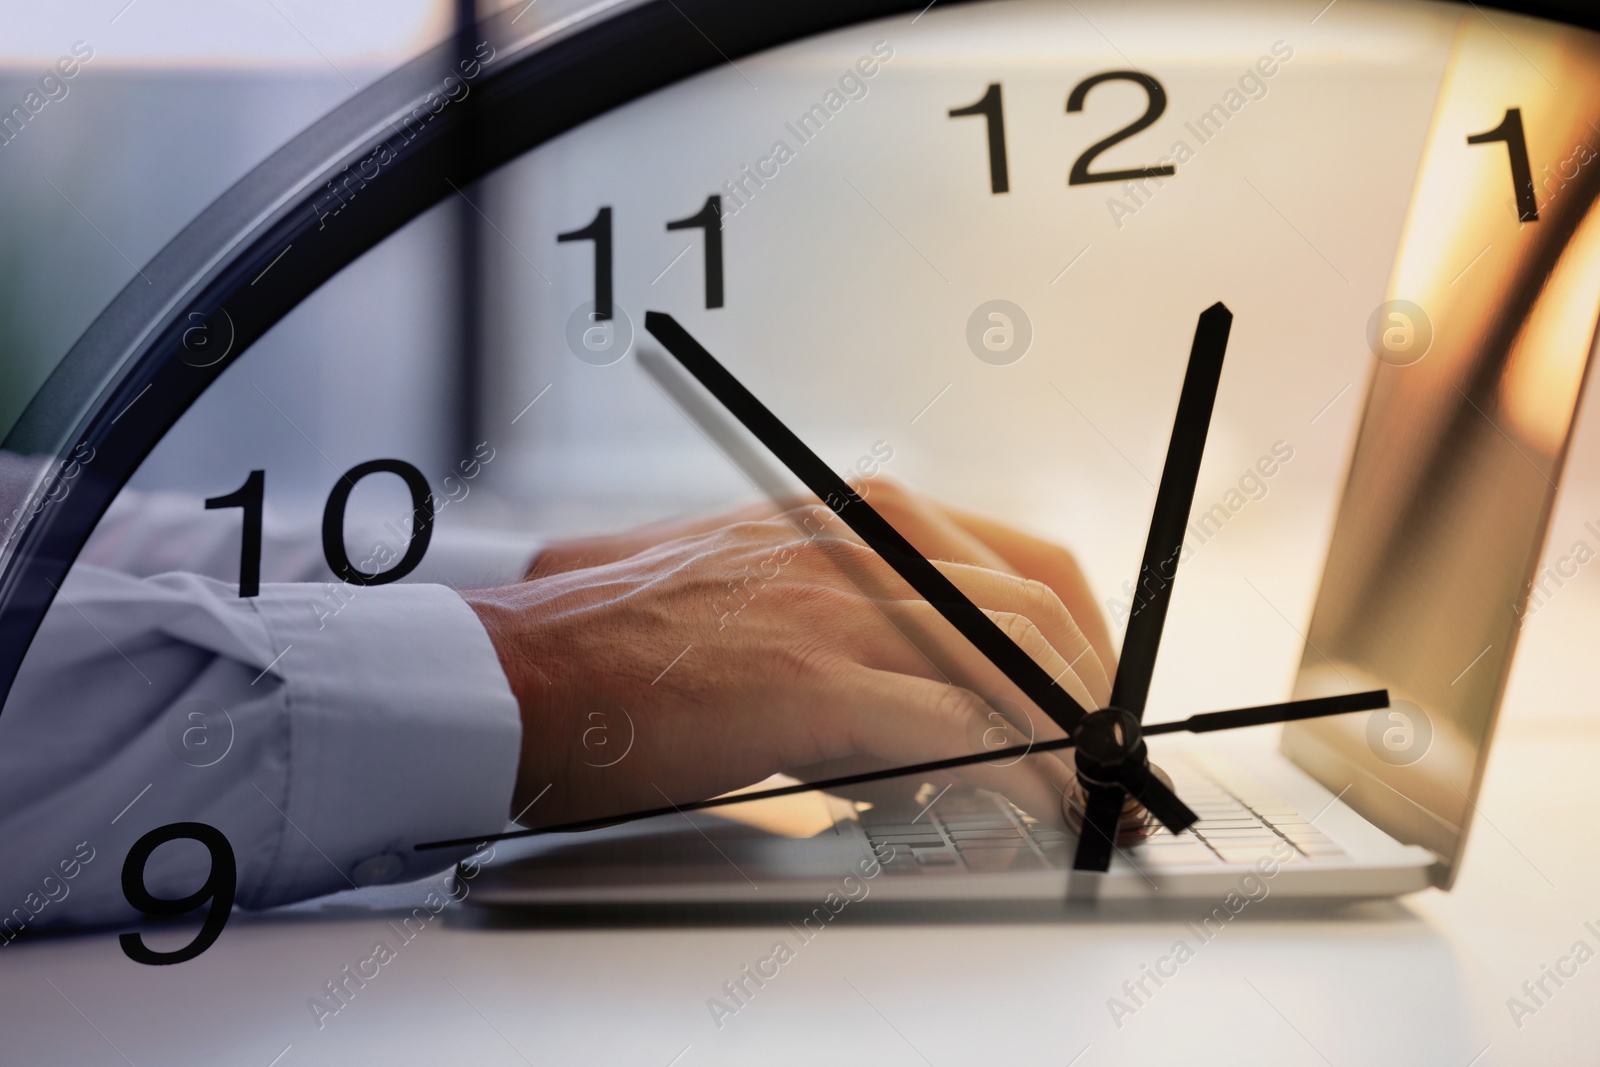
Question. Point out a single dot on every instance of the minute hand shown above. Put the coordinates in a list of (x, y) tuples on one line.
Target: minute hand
[(928, 581)]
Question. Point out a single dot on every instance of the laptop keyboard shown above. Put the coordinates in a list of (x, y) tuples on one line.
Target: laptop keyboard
[(965, 830)]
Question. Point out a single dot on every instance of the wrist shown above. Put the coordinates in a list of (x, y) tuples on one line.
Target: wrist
[(507, 618), (502, 622)]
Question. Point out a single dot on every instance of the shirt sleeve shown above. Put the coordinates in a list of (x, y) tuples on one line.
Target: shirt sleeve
[(323, 745)]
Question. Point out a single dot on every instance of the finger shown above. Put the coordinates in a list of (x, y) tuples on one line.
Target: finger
[(1032, 557), (831, 555), (929, 531), (904, 720), (926, 525), (1037, 602), (931, 649)]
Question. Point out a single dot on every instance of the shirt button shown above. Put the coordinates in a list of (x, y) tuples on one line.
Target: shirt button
[(377, 870)]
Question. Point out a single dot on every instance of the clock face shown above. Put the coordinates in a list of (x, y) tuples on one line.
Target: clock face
[(963, 250)]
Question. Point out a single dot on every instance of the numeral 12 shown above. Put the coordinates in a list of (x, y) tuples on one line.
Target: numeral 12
[(989, 106)]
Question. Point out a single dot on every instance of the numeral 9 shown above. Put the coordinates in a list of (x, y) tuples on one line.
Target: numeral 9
[(219, 888)]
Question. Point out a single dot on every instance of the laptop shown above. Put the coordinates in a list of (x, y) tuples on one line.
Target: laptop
[(1439, 531)]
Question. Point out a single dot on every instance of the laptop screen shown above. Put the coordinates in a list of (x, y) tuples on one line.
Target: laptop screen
[(1480, 351)]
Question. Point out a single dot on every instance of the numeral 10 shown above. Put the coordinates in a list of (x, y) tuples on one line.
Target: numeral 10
[(250, 498)]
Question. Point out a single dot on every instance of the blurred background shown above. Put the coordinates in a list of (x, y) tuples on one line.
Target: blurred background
[(177, 101)]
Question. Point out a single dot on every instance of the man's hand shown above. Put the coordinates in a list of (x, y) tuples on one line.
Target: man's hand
[(767, 640), (936, 530)]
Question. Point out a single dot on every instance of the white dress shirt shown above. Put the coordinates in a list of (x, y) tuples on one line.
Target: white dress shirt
[(354, 721)]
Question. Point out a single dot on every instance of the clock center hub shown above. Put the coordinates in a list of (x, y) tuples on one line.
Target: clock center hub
[(1108, 740)]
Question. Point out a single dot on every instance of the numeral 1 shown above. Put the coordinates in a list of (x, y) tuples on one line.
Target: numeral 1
[(989, 107), (1510, 133), (708, 218), (598, 231), (249, 497)]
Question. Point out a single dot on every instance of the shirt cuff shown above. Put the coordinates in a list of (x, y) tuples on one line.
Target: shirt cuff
[(402, 729)]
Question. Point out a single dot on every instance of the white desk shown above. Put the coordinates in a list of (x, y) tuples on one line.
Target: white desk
[(1421, 981)]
